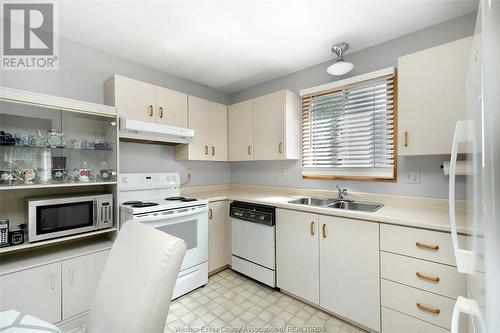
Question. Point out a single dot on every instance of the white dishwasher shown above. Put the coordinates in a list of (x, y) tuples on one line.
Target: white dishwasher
[(253, 247)]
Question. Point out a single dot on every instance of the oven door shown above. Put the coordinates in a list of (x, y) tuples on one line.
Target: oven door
[(61, 217), (189, 224)]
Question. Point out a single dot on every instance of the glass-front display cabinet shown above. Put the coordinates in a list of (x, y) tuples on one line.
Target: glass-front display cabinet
[(42, 145)]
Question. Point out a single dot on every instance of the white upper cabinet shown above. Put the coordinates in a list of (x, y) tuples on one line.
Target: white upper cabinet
[(217, 131), (171, 107), (276, 128), (143, 101), (431, 97), (240, 130), (209, 121)]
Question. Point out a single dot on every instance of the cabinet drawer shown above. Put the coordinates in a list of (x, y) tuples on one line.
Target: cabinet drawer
[(424, 244), (405, 299), (437, 278), (397, 322)]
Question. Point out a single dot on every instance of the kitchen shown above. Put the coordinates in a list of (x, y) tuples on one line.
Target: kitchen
[(344, 190)]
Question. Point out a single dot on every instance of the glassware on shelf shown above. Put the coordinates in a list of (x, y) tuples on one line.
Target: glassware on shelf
[(84, 173), (29, 176), (54, 138), (45, 171), (105, 173)]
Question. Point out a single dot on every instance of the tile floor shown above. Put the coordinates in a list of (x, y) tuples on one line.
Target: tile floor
[(231, 301)]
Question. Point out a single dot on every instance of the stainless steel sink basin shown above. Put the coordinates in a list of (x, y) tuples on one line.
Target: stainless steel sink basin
[(318, 202), (338, 204), (356, 205)]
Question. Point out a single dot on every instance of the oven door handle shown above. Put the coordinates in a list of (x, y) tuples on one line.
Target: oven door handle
[(164, 216)]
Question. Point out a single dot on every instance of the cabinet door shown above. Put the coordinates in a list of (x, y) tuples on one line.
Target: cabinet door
[(198, 120), (171, 107), (79, 280), (269, 126), (36, 291), (217, 114), (349, 269), (134, 99), (217, 235), (297, 256), (240, 130), (431, 97)]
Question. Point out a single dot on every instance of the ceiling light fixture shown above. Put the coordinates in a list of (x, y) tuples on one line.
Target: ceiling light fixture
[(340, 67)]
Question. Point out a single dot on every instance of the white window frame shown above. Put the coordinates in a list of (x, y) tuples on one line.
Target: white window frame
[(354, 173)]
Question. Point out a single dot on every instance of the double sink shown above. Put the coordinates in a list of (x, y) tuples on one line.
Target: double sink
[(338, 204)]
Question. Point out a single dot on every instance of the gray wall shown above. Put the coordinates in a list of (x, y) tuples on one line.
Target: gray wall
[(136, 157), (83, 70), (432, 181)]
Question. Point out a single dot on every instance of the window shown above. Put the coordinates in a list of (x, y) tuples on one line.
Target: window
[(348, 128)]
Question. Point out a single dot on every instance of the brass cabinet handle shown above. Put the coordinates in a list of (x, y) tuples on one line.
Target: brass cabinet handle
[(431, 278), (427, 246), (406, 138), (150, 110), (428, 309), (280, 148), (312, 228), (161, 112), (206, 150), (213, 150), (210, 213), (249, 150), (324, 230)]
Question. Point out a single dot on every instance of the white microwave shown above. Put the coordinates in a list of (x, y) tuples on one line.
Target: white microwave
[(54, 217)]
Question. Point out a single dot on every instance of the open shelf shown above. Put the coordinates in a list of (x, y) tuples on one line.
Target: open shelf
[(4, 187), (28, 246)]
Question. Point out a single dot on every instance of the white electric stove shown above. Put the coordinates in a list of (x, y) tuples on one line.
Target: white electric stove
[(154, 199)]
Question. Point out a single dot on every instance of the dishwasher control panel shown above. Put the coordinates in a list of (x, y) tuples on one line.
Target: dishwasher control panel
[(253, 213)]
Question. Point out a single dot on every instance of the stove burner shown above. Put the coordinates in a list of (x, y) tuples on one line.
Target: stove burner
[(144, 204), (181, 199), (174, 198), (128, 203)]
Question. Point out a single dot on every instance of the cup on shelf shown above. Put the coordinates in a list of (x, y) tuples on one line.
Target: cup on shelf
[(23, 139)]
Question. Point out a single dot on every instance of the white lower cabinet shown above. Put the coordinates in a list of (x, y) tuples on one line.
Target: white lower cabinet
[(53, 291), (331, 262), (349, 269), (36, 291), (80, 277), (297, 254), (397, 322), (218, 247)]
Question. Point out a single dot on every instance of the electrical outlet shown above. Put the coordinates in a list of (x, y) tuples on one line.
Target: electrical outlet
[(284, 173), (410, 176)]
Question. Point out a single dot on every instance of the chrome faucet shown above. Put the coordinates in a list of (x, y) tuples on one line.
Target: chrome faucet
[(342, 192)]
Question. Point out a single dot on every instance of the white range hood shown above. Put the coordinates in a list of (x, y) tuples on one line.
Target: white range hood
[(135, 130)]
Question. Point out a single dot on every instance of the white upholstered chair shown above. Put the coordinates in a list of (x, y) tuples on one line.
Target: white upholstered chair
[(135, 289)]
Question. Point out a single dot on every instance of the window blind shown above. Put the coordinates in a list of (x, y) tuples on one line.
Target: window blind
[(349, 131)]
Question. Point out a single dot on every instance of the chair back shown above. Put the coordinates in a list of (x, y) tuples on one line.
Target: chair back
[(135, 288)]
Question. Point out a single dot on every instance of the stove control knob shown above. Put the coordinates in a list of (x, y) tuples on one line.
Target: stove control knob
[(124, 179), (262, 218)]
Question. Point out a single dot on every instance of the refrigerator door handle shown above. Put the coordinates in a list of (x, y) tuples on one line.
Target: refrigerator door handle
[(466, 306), (464, 258)]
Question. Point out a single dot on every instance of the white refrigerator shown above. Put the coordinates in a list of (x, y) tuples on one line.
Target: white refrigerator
[(479, 137)]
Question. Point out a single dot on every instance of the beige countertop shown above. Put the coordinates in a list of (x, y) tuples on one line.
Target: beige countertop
[(427, 213)]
